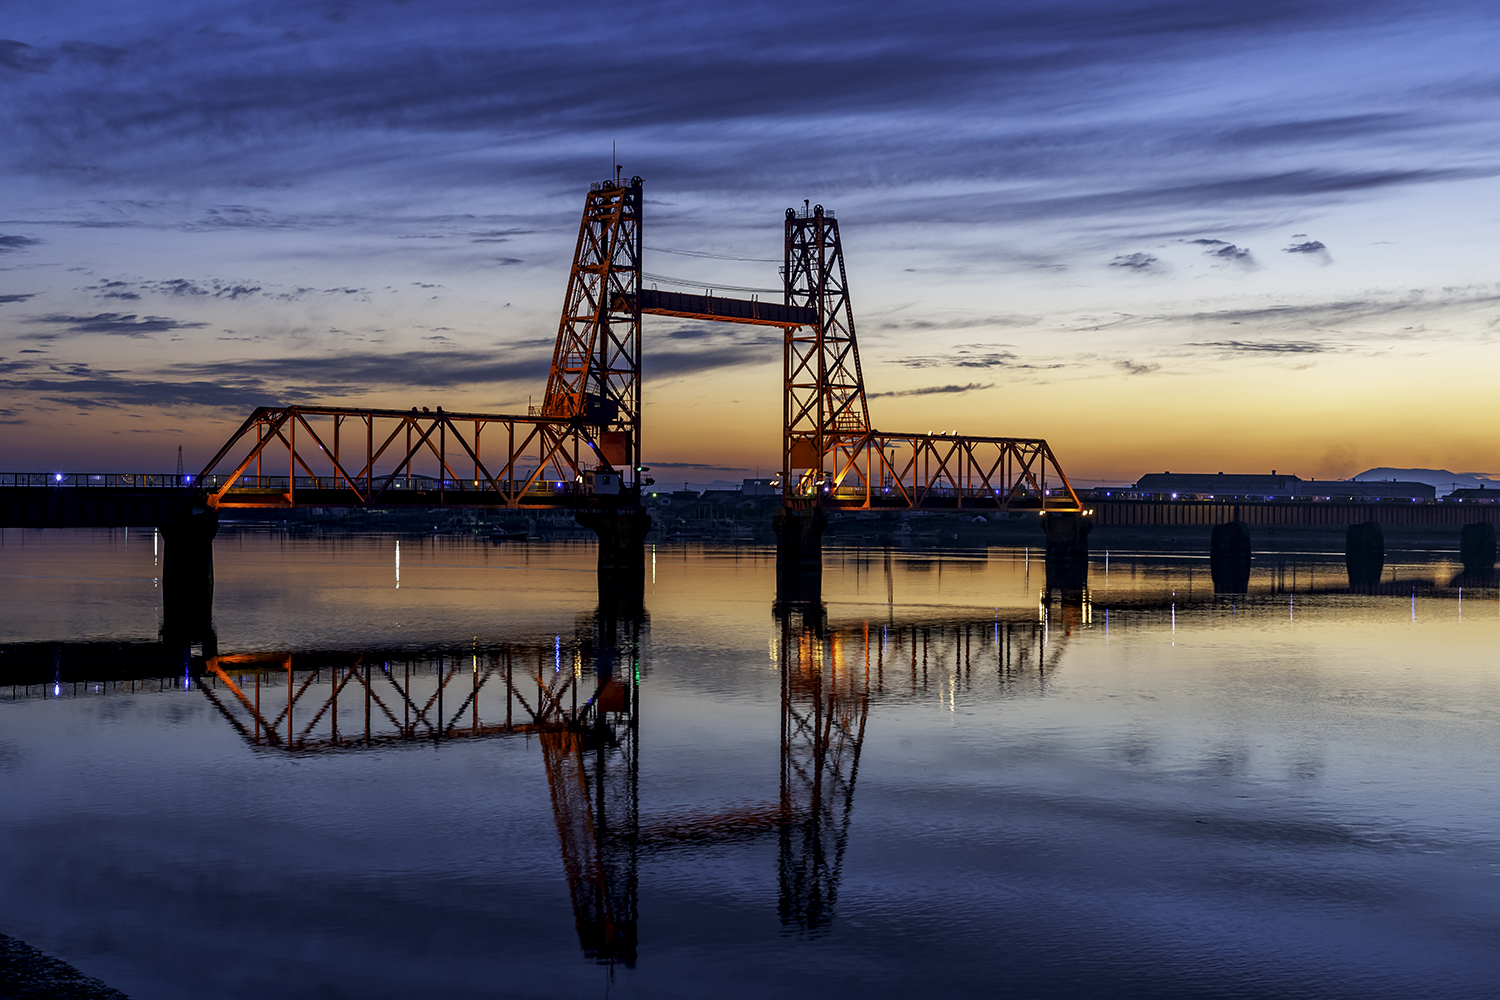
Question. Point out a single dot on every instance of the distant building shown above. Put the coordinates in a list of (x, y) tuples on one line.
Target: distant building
[(1202, 486), (760, 488), (1349, 489), (1480, 495)]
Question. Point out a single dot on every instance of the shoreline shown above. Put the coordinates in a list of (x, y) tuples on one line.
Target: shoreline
[(28, 973)]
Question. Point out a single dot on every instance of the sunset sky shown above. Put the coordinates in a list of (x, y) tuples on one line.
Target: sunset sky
[(1163, 235)]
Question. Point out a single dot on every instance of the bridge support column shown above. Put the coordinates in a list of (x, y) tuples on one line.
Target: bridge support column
[(1364, 555), (799, 554), (1476, 546), (1229, 558), (622, 556), (187, 575), (1067, 551)]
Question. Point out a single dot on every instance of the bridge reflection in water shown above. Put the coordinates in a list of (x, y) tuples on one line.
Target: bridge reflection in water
[(579, 695)]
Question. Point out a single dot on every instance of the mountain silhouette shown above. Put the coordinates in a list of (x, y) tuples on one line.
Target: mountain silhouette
[(1445, 481)]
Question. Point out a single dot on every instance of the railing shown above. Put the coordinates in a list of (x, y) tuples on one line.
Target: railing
[(270, 484), (108, 480), (1102, 495), (414, 484), (936, 492)]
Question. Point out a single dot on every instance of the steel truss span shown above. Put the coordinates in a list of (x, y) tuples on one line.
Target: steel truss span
[(344, 457), (937, 471), (830, 455), (580, 448)]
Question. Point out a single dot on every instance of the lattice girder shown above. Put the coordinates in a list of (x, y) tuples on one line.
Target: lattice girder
[(824, 385), (596, 371)]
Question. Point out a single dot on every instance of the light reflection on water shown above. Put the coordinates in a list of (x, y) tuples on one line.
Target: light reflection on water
[(476, 784)]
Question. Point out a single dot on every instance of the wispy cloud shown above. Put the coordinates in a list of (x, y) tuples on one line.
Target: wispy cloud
[(1267, 346), (968, 358), (24, 58), (212, 288), (1310, 246), (1376, 316), (1223, 251), (114, 324), (933, 390), (229, 101), (238, 384), (1136, 262)]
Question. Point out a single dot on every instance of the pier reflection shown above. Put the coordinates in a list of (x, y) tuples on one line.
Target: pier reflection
[(825, 703)]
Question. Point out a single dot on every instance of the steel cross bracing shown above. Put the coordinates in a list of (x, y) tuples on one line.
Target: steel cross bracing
[(587, 737), (938, 471), (823, 713), (824, 396), (581, 447), (596, 363), (832, 457), (345, 457), (593, 774), (398, 698)]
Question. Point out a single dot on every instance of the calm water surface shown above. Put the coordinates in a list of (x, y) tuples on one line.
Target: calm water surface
[(485, 788)]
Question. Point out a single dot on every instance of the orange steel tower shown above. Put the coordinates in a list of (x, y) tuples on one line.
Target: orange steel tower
[(596, 364), (832, 457), (824, 408), (581, 448)]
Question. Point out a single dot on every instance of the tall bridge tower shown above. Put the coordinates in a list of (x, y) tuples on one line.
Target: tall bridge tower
[(823, 406), (596, 363)]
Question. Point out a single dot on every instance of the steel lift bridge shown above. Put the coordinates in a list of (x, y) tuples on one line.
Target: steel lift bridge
[(582, 447)]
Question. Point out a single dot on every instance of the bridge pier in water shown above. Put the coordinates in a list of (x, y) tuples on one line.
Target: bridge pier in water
[(1476, 547), (1229, 558), (1364, 555), (622, 556), (1067, 551), (187, 576), (799, 554)]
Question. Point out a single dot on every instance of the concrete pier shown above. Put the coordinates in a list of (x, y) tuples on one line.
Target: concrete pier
[(1229, 558), (622, 556), (799, 554), (1364, 555), (1067, 551), (187, 575), (1476, 547)]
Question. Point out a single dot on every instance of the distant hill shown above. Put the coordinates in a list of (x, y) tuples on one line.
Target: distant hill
[(1445, 481)]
